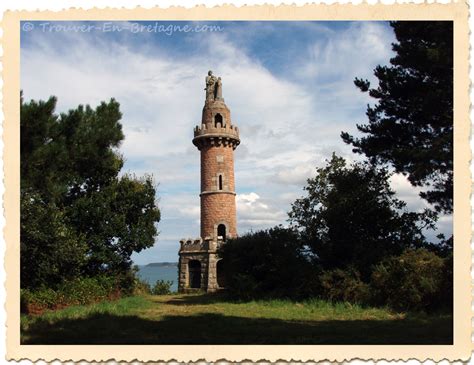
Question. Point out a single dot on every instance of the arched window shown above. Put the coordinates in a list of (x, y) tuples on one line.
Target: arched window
[(194, 270), (221, 231), (218, 119), (220, 182)]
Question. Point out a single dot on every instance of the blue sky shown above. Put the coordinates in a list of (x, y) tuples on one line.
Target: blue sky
[(289, 86)]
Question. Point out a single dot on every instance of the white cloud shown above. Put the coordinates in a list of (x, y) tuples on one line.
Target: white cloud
[(348, 53), (289, 122), (408, 193), (248, 199), (252, 213), (297, 175)]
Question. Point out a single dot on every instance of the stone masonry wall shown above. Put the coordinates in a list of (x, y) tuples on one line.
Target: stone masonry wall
[(216, 209), (183, 280), (206, 252), (217, 206), (216, 160), (209, 111)]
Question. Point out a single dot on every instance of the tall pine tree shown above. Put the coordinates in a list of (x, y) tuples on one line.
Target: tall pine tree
[(411, 126), (78, 217)]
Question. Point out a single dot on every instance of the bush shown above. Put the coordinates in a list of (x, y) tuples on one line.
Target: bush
[(76, 292), (162, 287), (38, 301), (129, 282), (244, 286), (86, 290), (446, 291), (344, 286), (142, 287), (268, 263), (411, 281)]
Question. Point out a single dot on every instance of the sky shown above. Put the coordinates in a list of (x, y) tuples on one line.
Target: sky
[(289, 86)]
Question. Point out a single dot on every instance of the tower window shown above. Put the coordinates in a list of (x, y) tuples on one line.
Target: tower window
[(218, 119), (220, 182), (221, 231)]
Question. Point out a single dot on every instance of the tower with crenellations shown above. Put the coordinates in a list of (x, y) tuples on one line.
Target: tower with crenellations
[(216, 138)]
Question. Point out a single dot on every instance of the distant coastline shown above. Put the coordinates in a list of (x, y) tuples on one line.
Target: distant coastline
[(162, 264)]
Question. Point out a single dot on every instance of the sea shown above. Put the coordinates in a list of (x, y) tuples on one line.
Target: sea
[(152, 273)]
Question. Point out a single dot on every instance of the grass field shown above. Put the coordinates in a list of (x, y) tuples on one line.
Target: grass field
[(211, 319)]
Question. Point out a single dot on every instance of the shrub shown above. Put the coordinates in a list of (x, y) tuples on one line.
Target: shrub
[(445, 298), (244, 286), (37, 301), (268, 263), (129, 280), (142, 287), (76, 292), (344, 286), (162, 287), (411, 281)]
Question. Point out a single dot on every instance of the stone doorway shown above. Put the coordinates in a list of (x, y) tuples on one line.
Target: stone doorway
[(194, 269)]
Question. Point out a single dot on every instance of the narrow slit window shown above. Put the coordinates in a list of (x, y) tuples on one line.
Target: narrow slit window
[(220, 182)]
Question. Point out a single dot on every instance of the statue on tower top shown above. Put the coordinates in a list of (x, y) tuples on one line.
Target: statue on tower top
[(213, 87)]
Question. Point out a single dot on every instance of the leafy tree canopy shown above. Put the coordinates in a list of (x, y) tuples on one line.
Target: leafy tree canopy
[(78, 217), (351, 218), (411, 126)]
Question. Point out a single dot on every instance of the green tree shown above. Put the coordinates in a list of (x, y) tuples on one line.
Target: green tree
[(116, 221), (268, 263), (350, 217), (50, 250), (67, 156), (411, 126), (78, 217)]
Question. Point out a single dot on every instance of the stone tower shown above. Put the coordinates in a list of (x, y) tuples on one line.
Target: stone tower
[(216, 138)]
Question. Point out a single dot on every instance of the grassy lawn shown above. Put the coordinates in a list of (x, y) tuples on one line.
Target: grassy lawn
[(210, 319)]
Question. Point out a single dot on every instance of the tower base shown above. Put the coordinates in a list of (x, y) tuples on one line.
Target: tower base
[(200, 267)]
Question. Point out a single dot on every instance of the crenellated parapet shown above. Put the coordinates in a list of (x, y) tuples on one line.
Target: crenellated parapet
[(189, 245), (227, 135)]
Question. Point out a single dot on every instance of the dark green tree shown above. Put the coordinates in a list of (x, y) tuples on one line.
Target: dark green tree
[(268, 263), (350, 217), (78, 217), (411, 126), (67, 156), (51, 251), (116, 221)]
